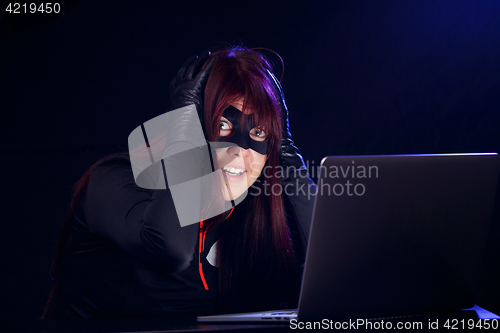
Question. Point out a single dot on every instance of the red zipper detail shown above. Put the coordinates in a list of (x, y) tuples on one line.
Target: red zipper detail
[(229, 213), (201, 248), (202, 244)]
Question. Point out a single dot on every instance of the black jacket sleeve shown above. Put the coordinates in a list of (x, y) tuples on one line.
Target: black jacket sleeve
[(141, 222)]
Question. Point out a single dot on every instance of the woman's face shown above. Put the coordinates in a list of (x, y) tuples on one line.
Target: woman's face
[(245, 165)]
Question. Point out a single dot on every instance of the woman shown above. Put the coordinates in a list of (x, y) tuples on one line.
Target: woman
[(123, 252)]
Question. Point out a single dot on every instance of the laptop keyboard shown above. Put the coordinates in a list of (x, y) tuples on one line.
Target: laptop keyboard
[(282, 313)]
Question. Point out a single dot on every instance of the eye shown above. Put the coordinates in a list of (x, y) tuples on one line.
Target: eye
[(225, 127), (258, 134)]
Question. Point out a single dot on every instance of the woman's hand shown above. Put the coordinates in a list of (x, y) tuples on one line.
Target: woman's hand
[(187, 158), (187, 87)]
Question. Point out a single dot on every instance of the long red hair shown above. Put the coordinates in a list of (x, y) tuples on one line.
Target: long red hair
[(258, 251)]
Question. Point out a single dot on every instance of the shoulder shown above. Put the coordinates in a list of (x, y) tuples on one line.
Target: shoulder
[(111, 165), (112, 192), (113, 161), (113, 173)]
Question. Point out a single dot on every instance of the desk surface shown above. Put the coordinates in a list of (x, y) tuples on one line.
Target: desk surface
[(189, 324)]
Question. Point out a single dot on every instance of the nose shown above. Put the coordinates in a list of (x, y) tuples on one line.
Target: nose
[(237, 151), (230, 154), (234, 150)]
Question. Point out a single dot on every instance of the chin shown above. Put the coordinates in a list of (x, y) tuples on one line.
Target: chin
[(236, 192)]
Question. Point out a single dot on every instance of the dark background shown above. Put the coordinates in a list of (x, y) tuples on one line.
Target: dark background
[(361, 77)]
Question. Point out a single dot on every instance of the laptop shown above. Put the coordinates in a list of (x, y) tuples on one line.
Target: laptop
[(393, 235)]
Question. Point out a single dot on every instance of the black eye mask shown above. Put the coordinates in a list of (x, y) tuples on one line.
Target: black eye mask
[(241, 136)]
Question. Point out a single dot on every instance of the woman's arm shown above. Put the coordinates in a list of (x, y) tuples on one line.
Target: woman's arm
[(141, 222)]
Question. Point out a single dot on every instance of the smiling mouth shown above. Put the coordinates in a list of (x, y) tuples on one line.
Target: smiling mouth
[(233, 171)]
